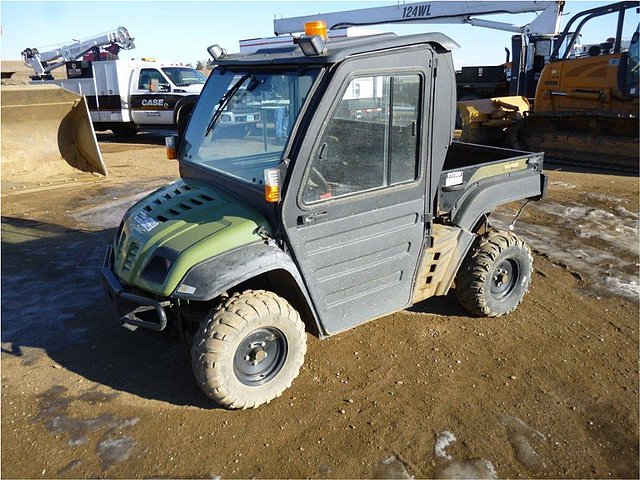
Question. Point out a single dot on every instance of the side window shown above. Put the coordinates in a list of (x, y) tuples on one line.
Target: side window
[(633, 66), (370, 140), (151, 79)]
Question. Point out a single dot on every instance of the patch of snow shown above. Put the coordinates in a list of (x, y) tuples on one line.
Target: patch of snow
[(600, 245), (520, 435), (475, 468), (445, 439), (562, 184), (115, 450)]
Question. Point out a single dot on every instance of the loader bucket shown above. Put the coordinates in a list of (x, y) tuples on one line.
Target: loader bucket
[(488, 121), (47, 138)]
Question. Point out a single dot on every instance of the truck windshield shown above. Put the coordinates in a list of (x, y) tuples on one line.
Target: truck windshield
[(243, 120), (184, 76)]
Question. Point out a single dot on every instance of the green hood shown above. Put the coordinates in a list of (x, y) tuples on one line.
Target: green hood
[(177, 227)]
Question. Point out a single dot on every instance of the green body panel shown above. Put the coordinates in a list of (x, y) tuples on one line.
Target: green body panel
[(511, 165), (192, 219)]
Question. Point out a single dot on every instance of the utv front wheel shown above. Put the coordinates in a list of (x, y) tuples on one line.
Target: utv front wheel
[(249, 350), (495, 275)]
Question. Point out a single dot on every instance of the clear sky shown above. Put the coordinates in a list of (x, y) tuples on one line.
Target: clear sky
[(180, 31)]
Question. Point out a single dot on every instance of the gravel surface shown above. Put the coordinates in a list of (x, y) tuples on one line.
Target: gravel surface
[(549, 391)]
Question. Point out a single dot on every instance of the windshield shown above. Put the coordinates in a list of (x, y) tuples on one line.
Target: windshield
[(243, 120), (184, 76)]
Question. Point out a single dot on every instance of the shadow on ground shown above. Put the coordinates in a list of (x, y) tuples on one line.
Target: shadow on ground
[(447, 306), (142, 137), (52, 300)]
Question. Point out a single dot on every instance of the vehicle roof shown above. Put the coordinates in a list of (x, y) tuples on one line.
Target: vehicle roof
[(338, 50)]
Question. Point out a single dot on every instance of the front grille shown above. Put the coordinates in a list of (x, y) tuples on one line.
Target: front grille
[(132, 255)]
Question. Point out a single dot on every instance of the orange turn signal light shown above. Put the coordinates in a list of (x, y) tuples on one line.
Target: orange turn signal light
[(170, 143), (272, 185)]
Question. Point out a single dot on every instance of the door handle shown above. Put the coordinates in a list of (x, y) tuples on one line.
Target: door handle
[(322, 151), (310, 218), (454, 188)]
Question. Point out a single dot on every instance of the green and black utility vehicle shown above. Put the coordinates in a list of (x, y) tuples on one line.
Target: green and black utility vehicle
[(347, 201)]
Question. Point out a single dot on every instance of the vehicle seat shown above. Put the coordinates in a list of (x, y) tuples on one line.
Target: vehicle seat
[(145, 82)]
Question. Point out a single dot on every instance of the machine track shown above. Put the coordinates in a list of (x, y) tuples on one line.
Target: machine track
[(602, 140)]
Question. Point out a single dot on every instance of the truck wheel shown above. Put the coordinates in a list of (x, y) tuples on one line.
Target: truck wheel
[(249, 349), (495, 275), (124, 130), (239, 131), (183, 119)]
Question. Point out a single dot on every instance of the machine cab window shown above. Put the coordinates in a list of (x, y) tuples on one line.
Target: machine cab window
[(631, 67)]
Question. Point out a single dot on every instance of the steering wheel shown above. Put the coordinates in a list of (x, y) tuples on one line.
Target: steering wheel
[(316, 177)]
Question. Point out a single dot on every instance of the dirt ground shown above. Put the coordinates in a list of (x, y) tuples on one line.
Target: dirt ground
[(549, 391)]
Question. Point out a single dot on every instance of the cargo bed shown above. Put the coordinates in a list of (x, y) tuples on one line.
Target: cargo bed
[(489, 176)]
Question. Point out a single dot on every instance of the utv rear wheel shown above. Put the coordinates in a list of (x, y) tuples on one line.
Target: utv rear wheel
[(249, 349), (495, 275)]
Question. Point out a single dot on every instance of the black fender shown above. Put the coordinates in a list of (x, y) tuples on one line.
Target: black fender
[(478, 201), (217, 275), (485, 196)]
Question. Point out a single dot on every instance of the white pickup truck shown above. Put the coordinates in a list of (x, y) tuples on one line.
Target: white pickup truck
[(123, 95)]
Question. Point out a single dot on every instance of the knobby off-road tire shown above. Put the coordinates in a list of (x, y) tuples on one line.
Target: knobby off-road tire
[(249, 349), (495, 275)]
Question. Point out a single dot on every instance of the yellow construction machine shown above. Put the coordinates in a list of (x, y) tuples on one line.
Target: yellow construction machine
[(47, 134), (585, 109), (47, 138)]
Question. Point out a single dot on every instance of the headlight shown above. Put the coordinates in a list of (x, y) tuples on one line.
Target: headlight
[(158, 267)]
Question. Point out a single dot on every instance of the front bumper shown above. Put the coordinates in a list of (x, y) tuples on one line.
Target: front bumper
[(129, 306)]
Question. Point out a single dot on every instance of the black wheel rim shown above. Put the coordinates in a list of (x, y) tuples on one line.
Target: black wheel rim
[(504, 278), (260, 356)]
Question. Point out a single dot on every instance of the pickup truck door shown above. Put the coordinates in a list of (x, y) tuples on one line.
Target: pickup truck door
[(152, 102), (355, 220)]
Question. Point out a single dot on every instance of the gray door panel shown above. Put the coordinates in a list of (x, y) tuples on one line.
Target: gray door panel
[(361, 266), (358, 248)]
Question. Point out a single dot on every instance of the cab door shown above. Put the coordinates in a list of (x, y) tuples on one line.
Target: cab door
[(355, 221), (151, 100)]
